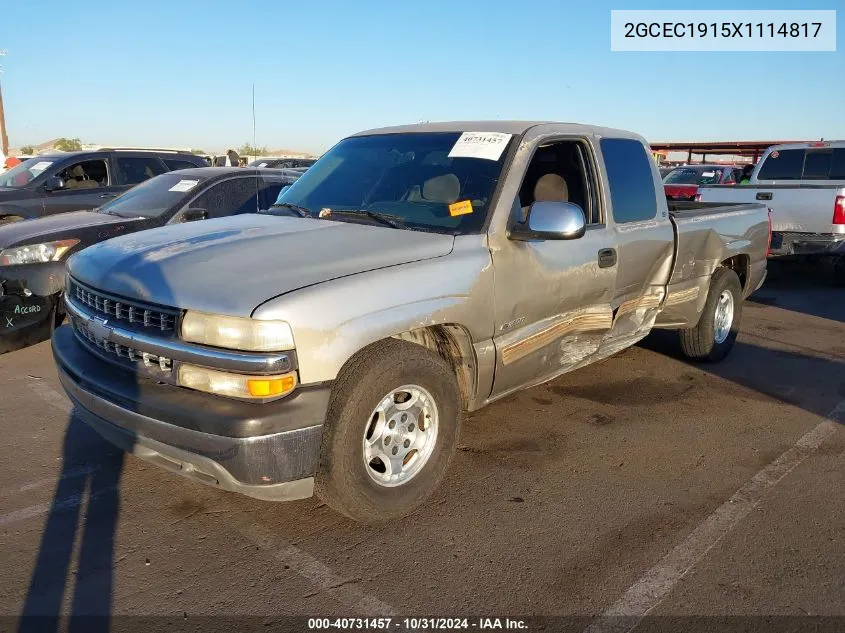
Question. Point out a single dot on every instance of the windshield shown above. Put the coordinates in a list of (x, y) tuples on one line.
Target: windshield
[(694, 176), (408, 177), (152, 197), (20, 175)]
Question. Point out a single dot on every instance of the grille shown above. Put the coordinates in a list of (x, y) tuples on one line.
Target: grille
[(123, 352), (123, 310)]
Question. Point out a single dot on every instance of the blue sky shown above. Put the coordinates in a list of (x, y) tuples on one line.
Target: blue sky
[(180, 73)]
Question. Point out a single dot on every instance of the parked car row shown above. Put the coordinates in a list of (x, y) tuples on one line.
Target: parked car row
[(33, 252), (333, 341)]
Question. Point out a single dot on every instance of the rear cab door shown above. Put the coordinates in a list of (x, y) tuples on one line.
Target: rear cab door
[(642, 234)]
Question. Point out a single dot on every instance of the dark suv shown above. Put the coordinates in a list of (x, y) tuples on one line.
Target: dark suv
[(75, 181)]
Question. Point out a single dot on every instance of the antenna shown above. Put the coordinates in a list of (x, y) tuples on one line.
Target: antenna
[(255, 148), (4, 139)]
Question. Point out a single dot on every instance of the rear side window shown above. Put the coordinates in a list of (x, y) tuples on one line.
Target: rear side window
[(787, 164), (631, 182), (837, 164), (174, 164), (136, 169)]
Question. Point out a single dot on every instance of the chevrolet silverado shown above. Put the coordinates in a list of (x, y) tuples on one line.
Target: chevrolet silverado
[(330, 344)]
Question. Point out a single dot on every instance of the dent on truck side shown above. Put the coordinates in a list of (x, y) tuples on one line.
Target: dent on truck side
[(706, 242), (335, 319)]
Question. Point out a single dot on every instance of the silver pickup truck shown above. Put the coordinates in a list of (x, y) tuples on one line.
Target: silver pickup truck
[(804, 185), (331, 343)]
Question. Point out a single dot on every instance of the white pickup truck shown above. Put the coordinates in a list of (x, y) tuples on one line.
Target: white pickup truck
[(804, 186)]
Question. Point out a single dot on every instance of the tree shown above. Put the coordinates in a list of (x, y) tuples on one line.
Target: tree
[(198, 152), (248, 150), (27, 149), (68, 144)]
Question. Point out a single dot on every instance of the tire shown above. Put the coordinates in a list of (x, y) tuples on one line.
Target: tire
[(701, 342), (345, 480)]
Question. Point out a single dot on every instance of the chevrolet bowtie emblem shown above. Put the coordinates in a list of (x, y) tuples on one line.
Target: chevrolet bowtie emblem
[(99, 328)]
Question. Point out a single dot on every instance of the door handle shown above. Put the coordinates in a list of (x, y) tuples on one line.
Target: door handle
[(607, 257), (764, 195)]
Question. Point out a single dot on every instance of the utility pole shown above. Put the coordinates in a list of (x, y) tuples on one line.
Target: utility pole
[(4, 139)]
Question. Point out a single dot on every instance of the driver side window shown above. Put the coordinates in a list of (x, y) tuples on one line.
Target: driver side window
[(560, 171), (88, 174)]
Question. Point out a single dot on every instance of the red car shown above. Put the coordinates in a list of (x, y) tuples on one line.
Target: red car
[(682, 182)]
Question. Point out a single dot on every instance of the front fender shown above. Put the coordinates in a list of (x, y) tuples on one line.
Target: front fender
[(43, 279), (332, 321)]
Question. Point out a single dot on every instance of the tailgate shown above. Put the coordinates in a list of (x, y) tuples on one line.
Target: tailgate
[(795, 208)]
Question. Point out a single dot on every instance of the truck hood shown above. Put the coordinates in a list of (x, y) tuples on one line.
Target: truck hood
[(232, 265), (60, 226)]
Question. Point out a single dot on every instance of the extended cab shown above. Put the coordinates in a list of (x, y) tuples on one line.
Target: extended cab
[(412, 273), (804, 185), (33, 253)]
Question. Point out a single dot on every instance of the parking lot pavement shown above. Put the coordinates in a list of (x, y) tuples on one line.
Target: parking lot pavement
[(642, 483)]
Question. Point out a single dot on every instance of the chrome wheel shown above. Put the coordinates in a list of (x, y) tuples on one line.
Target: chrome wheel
[(724, 316), (400, 435)]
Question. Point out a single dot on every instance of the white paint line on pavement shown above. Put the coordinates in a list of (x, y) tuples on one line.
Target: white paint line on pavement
[(655, 585), (79, 471), (59, 506), (51, 396), (341, 589)]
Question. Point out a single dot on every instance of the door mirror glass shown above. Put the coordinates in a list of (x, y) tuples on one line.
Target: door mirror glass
[(54, 183), (552, 221), (193, 214)]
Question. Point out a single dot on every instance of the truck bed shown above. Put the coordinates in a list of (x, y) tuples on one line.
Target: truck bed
[(799, 208), (708, 235)]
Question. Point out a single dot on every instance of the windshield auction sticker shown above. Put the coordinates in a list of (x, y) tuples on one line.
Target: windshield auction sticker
[(723, 30), (462, 207), (487, 145), (184, 185), (38, 167)]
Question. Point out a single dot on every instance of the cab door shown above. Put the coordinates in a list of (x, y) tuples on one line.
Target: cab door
[(553, 297), (88, 184), (643, 235)]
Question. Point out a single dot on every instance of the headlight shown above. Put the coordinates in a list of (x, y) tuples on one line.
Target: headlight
[(251, 335), (235, 385), (36, 253)]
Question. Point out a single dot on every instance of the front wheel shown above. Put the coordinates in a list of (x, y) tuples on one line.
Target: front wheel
[(392, 427), (714, 336)]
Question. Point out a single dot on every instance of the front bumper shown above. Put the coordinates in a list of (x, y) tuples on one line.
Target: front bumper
[(28, 296), (267, 451), (787, 243)]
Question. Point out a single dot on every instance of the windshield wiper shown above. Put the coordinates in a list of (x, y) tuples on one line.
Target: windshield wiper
[(303, 212), (393, 221)]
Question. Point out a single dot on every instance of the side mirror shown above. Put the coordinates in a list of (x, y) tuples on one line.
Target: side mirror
[(54, 183), (551, 221), (193, 214)]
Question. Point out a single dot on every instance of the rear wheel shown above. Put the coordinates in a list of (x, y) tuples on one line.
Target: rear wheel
[(714, 336), (391, 430)]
